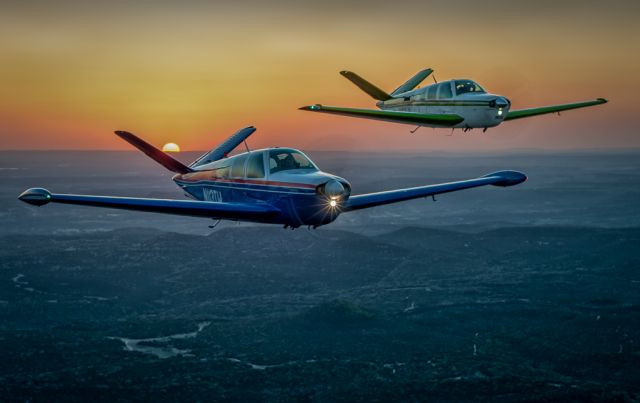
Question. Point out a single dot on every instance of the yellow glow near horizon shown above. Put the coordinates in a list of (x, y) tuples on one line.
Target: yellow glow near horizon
[(171, 148)]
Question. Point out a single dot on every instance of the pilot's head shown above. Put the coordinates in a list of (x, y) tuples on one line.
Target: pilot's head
[(288, 162)]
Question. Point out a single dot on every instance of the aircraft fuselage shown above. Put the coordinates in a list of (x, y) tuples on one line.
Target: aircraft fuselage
[(302, 194), (479, 109)]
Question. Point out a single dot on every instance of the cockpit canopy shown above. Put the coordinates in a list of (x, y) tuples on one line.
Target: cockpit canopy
[(255, 164), (285, 159), (467, 86), (447, 90)]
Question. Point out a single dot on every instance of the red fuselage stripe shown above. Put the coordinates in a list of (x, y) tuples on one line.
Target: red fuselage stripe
[(253, 182)]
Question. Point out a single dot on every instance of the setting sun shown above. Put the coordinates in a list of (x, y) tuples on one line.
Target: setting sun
[(171, 148)]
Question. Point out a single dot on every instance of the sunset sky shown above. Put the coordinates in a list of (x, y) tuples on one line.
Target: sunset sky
[(193, 72)]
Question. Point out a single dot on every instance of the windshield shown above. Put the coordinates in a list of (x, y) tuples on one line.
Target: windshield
[(286, 160), (465, 86)]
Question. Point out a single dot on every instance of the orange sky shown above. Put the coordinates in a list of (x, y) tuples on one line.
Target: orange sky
[(193, 73)]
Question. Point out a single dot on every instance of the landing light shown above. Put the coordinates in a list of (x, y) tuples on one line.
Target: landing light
[(333, 203), (499, 111)]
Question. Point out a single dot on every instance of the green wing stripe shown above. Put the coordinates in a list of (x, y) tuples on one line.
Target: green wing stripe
[(389, 116), (525, 113)]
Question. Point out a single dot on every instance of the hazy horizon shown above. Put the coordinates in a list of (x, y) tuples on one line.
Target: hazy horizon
[(241, 149)]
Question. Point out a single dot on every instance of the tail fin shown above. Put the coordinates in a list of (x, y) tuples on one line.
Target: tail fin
[(223, 149), (412, 82), (162, 158), (364, 85)]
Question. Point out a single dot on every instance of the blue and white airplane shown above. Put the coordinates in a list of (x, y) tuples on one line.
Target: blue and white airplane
[(275, 186), (456, 104)]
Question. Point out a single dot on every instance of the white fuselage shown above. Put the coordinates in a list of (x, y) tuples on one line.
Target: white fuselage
[(464, 98)]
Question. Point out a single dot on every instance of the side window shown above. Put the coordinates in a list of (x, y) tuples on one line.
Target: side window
[(237, 169), (445, 91), (255, 165), (431, 92)]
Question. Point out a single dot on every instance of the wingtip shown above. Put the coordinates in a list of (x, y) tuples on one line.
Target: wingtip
[(315, 107), (508, 178), (603, 100), (35, 196)]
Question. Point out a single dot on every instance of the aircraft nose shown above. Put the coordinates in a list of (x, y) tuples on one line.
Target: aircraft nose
[(503, 102), (499, 102), (336, 192), (334, 188)]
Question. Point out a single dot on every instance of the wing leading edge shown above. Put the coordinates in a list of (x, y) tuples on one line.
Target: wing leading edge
[(445, 120), (525, 113), (501, 178), (231, 211)]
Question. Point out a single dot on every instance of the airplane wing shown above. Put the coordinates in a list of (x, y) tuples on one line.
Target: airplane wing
[(525, 113), (412, 118), (501, 178), (231, 211)]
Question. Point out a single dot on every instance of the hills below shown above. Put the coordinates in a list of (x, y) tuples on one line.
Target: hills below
[(247, 314)]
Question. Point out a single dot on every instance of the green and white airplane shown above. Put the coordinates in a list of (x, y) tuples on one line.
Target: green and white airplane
[(456, 104)]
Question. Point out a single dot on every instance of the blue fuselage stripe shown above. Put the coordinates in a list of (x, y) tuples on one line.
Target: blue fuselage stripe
[(248, 186)]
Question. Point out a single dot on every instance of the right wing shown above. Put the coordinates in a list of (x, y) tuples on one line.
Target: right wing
[(412, 118), (525, 113), (502, 178), (221, 210)]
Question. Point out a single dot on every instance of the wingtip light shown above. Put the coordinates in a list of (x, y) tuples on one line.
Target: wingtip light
[(315, 107), (35, 196)]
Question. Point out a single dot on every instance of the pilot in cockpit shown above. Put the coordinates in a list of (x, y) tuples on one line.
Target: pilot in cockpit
[(288, 163)]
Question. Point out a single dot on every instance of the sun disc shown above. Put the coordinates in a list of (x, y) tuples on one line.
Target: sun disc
[(171, 148)]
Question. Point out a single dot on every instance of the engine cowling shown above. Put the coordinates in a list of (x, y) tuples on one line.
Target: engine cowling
[(335, 190)]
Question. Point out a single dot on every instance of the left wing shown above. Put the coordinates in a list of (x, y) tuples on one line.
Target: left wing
[(413, 118), (525, 113), (502, 178), (231, 211)]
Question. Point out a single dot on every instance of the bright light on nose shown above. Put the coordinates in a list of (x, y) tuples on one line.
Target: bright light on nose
[(333, 188), (333, 203), (499, 111)]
